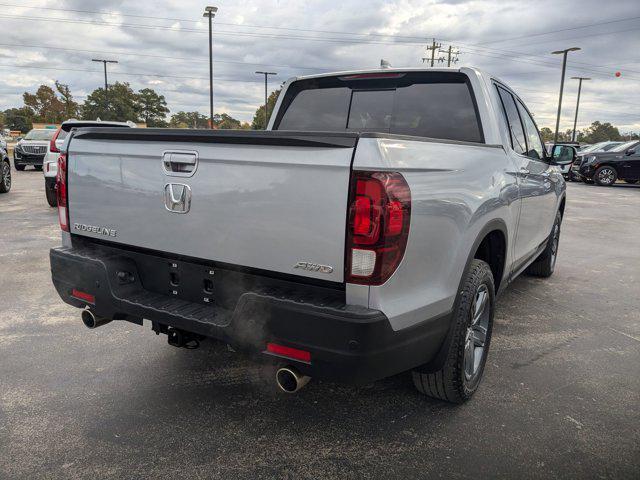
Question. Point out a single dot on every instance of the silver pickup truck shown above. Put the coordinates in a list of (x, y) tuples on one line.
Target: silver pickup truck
[(365, 234)]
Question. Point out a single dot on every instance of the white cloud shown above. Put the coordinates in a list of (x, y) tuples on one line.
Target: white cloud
[(177, 47)]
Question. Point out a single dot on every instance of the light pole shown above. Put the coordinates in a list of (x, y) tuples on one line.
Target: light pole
[(106, 84), (575, 120), (564, 69), (210, 12), (266, 75)]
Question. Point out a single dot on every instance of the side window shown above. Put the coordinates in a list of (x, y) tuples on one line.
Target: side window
[(536, 149), (513, 122)]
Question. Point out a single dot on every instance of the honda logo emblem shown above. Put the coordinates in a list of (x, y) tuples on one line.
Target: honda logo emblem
[(177, 197)]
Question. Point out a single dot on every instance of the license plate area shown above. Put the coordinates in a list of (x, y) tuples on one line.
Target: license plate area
[(184, 280)]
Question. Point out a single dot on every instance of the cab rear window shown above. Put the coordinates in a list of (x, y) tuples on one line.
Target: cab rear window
[(432, 104)]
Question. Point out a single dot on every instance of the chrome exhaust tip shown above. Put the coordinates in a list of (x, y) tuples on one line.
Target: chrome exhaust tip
[(91, 320), (290, 380)]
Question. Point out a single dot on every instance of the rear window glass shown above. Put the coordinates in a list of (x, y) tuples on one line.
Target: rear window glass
[(436, 105)]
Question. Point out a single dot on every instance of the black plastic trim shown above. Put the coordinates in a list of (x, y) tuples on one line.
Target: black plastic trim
[(243, 137)]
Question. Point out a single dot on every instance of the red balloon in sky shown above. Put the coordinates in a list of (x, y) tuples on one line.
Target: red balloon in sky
[(618, 74)]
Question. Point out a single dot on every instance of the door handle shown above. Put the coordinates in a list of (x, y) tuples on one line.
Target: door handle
[(524, 171), (180, 163)]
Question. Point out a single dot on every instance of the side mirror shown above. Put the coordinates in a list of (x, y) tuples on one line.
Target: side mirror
[(563, 154), (631, 151)]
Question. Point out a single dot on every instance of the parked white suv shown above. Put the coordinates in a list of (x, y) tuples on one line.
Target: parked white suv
[(50, 164)]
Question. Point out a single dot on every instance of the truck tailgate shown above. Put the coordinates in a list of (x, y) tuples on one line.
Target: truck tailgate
[(266, 200)]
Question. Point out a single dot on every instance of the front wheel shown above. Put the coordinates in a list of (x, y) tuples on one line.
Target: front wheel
[(38, 167), (605, 176), (20, 168), (5, 177), (472, 323)]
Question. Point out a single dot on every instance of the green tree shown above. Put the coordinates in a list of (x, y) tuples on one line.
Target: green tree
[(258, 117), (44, 105), (189, 120), (71, 109), (600, 132), (226, 122), (123, 104), (18, 119), (547, 134), (152, 107)]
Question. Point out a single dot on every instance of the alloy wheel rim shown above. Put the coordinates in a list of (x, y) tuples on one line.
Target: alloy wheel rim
[(606, 175), (476, 336), (6, 175)]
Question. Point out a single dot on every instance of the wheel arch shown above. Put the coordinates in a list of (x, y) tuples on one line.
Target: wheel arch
[(494, 229)]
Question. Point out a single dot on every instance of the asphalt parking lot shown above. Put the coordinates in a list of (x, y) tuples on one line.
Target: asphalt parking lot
[(560, 397)]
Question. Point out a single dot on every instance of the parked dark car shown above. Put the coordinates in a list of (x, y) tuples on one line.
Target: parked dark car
[(5, 171), (619, 163)]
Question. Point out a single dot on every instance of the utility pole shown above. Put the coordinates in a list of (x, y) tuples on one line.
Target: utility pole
[(106, 84), (433, 47), (564, 69), (575, 120), (210, 12), (266, 76), (452, 56)]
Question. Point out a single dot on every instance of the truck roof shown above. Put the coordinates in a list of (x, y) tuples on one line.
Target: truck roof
[(466, 70)]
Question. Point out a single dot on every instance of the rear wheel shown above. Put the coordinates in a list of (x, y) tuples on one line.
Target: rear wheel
[(50, 191), (605, 176), (38, 167), (545, 264), (5, 176), (460, 376)]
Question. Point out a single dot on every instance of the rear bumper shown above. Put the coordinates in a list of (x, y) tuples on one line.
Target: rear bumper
[(347, 343)]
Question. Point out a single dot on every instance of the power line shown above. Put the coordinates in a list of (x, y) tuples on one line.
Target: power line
[(165, 57), (419, 38), (559, 30)]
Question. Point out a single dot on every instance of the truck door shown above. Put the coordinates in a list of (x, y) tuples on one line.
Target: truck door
[(538, 190), (533, 177)]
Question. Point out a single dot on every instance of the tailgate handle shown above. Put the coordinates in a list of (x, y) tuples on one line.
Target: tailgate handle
[(180, 163)]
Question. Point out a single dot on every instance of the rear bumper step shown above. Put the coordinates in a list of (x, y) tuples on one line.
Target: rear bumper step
[(347, 343)]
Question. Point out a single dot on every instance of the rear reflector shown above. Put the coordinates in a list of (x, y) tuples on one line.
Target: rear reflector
[(289, 352), (87, 297)]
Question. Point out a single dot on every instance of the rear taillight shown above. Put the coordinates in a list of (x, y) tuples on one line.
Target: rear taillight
[(61, 192), (52, 144), (378, 228)]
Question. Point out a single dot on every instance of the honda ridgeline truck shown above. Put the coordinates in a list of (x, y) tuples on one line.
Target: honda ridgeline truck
[(366, 233)]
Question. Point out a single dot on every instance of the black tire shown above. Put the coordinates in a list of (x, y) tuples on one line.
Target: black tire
[(631, 182), (20, 168), (605, 176), (452, 382), (5, 176), (50, 191), (38, 167), (545, 264)]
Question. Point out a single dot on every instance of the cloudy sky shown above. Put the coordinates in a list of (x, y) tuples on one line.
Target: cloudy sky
[(163, 45)]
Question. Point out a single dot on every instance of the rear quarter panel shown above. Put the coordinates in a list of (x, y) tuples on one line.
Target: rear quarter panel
[(456, 190)]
